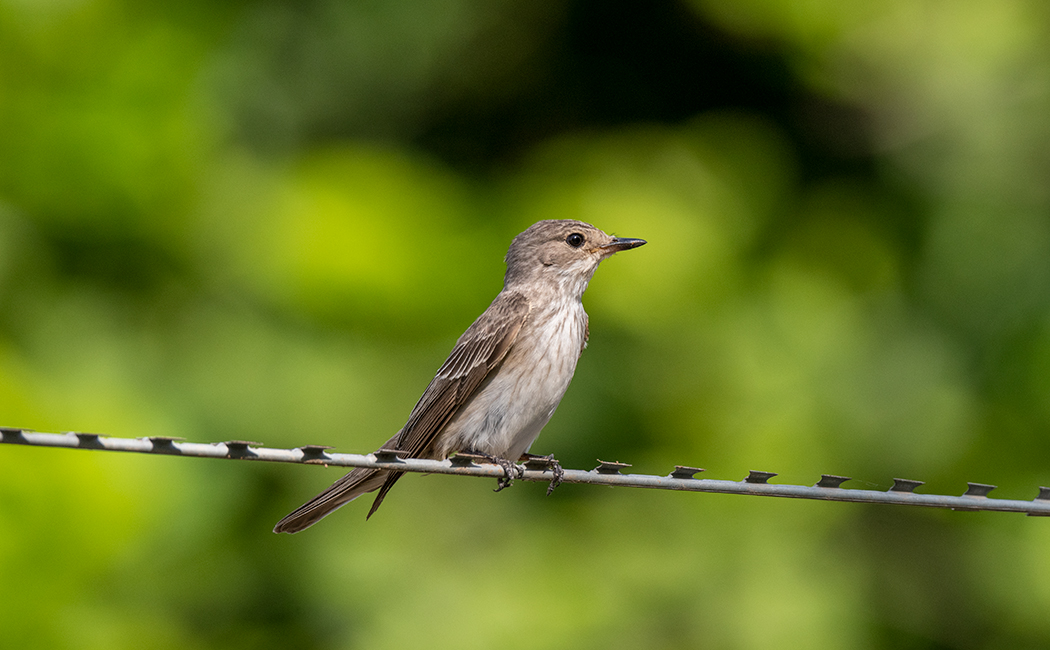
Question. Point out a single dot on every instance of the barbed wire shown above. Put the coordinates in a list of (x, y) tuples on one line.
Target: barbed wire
[(682, 478)]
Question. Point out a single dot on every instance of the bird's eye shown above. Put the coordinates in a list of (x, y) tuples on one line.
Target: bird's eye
[(575, 240)]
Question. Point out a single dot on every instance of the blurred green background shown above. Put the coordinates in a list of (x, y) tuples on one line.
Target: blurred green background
[(270, 221)]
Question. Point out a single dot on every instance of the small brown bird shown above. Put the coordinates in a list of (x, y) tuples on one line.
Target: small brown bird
[(506, 374)]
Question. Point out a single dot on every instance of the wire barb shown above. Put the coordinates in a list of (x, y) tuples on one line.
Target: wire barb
[(905, 485), (240, 448), (315, 454), (682, 478), (685, 472), (759, 478), (831, 481), (978, 489), (605, 467)]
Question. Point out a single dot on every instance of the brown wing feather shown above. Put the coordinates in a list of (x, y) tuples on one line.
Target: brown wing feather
[(477, 353)]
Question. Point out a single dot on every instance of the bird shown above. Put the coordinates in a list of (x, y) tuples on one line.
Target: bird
[(505, 375)]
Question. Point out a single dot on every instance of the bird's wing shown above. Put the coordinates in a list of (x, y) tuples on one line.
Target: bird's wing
[(476, 354)]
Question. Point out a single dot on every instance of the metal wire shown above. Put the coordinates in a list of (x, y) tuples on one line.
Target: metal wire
[(828, 488)]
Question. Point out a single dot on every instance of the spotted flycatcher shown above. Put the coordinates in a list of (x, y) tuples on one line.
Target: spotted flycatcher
[(506, 374)]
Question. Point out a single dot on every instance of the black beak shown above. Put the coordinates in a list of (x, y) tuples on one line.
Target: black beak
[(621, 244)]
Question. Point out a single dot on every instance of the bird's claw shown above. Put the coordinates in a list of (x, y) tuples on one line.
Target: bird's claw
[(548, 462), (509, 471), (559, 474), (556, 469)]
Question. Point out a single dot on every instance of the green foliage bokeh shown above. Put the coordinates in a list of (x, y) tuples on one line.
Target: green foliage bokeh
[(269, 221)]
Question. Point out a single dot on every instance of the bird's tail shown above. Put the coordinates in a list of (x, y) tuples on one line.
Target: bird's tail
[(343, 491)]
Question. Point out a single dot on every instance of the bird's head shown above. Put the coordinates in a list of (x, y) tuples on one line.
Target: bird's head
[(561, 253)]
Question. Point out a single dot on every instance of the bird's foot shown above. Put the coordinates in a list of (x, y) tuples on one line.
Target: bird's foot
[(552, 464), (510, 470)]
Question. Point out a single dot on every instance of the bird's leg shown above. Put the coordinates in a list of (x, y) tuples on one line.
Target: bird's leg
[(554, 466), (509, 469)]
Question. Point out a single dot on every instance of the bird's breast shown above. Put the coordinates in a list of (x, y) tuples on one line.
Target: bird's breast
[(514, 403)]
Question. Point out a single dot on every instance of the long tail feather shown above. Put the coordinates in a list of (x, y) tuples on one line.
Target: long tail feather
[(387, 484), (357, 482)]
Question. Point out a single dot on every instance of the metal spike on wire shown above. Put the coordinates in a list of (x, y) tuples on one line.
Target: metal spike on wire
[(828, 488)]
